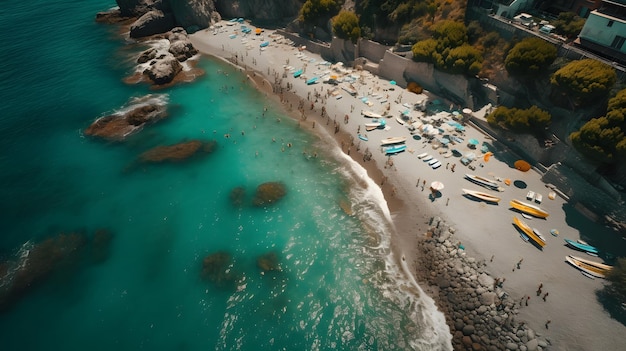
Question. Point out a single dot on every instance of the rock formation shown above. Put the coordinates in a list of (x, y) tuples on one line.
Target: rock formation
[(479, 312), (152, 22), (119, 125), (268, 193), (199, 13), (163, 69), (237, 196), (268, 262), (177, 152), (180, 45), (259, 10), (217, 269)]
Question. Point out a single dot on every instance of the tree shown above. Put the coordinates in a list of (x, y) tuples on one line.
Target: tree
[(448, 50), (568, 24), (584, 80), (530, 56), (313, 10), (604, 138), (533, 119), (346, 25)]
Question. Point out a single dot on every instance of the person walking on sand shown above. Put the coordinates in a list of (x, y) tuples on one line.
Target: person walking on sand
[(527, 299), (545, 296), (547, 323)]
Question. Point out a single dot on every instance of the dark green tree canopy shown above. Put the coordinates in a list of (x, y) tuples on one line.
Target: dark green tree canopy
[(604, 138), (530, 56), (585, 80), (346, 25), (529, 120), (569, 24), (312, 10), (449, 50)]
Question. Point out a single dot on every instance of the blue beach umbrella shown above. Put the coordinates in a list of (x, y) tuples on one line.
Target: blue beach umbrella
[(393, 82), (473, 142)]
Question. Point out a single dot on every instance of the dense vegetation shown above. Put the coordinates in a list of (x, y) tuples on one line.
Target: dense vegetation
[(604, 138), (313, 10), (584, 80), (568, 24), (449, 49), (529, 57), (530, 120), (346, 25)]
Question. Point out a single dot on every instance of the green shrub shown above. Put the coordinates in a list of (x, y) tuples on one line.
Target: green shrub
[(584, 80), (533, 119), (312, 10), (568, 24), (530, 56), (346, 25), (603, 139)]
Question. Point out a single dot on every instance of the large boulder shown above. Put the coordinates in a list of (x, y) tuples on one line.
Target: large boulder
[(152, 22), (200, 13), (137, 8), (180, 45), (119, 125), (163, 69), (264, 10), (268, 193)]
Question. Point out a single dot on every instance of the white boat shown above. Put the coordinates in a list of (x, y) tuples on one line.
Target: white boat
[(422, 155), (538, 233), (482, 196), (436, 165), (538, 198), (530, 195), (595, 269), (393, 140), (528, 208), (427, 158), (489, 184), (371, 114), (400, 120), (433, 161)]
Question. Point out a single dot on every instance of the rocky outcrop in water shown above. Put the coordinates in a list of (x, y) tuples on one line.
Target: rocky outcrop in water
[(478, 310), (118, 126), (268, 262), (269, 193), (237, 196), (180, 45), (177, 152), (163, 69)]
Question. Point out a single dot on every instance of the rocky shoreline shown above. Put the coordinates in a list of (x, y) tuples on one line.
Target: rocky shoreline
[(478, 310)]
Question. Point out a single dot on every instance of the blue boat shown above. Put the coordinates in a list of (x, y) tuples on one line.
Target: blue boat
[(394, 149), (363, 137), (264, 44), (581, 247), (311, 81), (298, 73)]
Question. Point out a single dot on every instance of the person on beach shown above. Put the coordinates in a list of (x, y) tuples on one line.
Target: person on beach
[(547, 323), (527, 299), (545, 296)]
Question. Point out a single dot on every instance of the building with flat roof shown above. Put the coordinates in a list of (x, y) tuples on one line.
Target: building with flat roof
[(605, 30)]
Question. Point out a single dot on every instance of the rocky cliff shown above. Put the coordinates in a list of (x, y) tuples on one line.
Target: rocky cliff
[(202, 13)]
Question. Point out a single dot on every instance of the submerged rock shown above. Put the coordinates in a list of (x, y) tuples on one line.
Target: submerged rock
[(237, 196), (176, 152), (217, 269), (268, 262), (119, 125), (268, 193), (34, 263), (101, 245)]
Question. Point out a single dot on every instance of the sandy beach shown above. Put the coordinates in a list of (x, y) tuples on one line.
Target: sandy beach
[(577, 320)]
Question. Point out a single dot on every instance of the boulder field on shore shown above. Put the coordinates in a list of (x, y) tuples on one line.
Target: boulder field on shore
[(478, 310)]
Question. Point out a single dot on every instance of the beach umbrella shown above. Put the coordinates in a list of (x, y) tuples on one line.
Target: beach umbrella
[(436, 185), (444, 141), (522, 165), (467, 111), (520, 184), (473, 142), (393, 82)]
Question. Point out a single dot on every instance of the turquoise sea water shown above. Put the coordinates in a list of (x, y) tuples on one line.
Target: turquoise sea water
[(337, 288)]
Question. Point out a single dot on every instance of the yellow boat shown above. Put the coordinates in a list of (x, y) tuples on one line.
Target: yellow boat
[(528, 209), (590, 267), (529, 232)]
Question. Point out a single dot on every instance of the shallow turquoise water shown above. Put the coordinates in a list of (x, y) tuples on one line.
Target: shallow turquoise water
[(337, 287)]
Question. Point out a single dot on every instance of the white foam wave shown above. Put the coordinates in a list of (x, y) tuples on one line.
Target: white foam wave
[(369, 203)]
